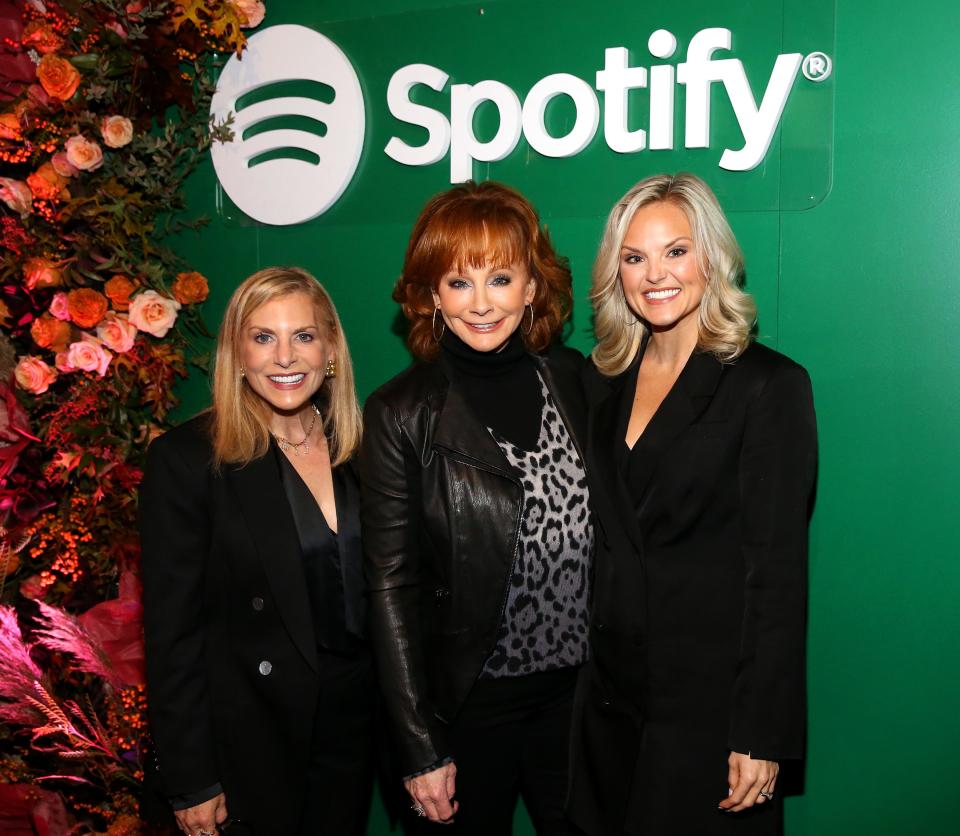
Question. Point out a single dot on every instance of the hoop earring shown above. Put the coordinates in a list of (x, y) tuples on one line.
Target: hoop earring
[(529, 328), (331, 369), (433, 326)]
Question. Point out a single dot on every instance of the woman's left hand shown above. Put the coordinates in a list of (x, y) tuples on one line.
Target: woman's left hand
[(750, 781)]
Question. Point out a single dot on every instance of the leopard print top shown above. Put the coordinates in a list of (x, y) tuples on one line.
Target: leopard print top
[(544, 624)]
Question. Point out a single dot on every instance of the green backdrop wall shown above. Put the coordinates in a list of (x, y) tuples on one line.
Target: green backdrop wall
[(859, 284)]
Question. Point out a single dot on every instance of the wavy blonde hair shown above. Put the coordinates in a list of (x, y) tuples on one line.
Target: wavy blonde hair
[(240, 416), (727, 313)]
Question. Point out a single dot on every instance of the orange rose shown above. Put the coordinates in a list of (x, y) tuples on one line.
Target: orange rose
[(58, 77), (39, 36), (41, 272), (116, 131), (33, 375), (87, 307), (190, 288), (118, 289), (50, 332), (9, 126), (47, 184)]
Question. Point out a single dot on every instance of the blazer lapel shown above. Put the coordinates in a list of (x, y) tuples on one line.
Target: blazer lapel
[(607, 486), (346, 491), (459, 433), (683, 405), (266, 512)]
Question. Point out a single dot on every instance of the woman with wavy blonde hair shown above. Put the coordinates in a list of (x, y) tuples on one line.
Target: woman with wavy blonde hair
[(702, 453), (259, 678)]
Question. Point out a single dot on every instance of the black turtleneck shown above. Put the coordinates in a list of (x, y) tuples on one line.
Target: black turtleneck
[(501, 387)]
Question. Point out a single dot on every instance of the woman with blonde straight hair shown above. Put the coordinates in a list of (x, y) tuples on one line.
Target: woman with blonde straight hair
[(259, 677), (702, 453)]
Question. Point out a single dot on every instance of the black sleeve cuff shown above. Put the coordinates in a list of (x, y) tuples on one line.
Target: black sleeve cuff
[(426, 769), (192, 799)]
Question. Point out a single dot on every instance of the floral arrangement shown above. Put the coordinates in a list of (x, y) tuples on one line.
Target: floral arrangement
[(103, 109)]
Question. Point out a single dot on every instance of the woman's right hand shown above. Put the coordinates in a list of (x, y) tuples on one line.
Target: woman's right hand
[(203, 818), (434, 791)]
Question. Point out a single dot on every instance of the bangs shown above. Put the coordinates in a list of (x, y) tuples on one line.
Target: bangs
[(471, 235)]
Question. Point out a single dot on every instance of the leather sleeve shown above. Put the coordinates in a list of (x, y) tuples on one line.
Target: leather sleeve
[(174, 537), (390, 513), (778, 462)]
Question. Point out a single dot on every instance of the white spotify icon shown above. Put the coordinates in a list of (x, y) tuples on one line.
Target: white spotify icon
[(298, 125)]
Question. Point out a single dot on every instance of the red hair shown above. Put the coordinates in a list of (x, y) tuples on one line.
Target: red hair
[(471, 225)]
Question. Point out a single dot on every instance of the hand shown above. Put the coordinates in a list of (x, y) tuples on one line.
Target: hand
[(747, 778), (204, 816), (434, 791)]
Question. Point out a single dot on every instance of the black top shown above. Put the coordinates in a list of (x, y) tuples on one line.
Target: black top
[(321, 562), (500, 387)]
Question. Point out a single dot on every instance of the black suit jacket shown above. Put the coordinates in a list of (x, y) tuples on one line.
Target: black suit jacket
[(442, 510), (698, 619), (232, 668)]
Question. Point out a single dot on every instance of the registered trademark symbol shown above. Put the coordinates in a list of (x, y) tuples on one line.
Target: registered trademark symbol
[(817, 66)]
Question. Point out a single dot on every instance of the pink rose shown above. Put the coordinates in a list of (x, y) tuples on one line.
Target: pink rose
[(116, 131), (117, 333), (62, 363), (33, 588), (252, 11), (63, 166), (153, 313), (58, 307), (83, 153), (89, 355), (33, 375), (17, 195)]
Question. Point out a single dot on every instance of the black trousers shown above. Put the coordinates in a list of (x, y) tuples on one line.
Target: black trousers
[(340, 773), (511, 740)]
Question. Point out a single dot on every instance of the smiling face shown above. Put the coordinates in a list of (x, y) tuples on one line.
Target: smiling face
[(484, 305), (659, 269), (284, 352)]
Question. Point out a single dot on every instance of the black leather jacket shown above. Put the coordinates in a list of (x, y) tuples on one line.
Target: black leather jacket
[(441, 514)]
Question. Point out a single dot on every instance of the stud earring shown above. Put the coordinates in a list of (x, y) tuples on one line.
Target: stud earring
[(331, 369), (243, 372)]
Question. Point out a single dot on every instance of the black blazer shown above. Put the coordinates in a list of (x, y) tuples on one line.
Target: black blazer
[(699, 608), (232, 667), (441, 516)]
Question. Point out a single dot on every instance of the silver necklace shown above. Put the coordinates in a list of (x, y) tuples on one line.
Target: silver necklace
[(300, 447)]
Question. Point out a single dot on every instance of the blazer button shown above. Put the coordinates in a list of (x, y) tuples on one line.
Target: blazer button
[(600, 627), (257, 603), (265, 668)]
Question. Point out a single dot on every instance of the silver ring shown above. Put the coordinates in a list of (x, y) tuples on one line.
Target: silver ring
[(206, 833), (418, 809), (767, 795)]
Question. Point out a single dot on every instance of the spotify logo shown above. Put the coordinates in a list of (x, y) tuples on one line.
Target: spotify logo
[(298, 125)]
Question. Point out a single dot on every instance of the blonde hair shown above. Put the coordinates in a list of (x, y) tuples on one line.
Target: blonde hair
[(240, 416), (727, 313)]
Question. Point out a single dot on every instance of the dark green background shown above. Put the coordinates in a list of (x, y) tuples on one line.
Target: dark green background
[(850, 232)]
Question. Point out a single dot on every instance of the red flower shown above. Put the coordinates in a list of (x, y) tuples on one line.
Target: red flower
[(14, 430), (118, 626), (26, 809)]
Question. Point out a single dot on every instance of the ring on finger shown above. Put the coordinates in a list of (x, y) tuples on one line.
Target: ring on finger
[(766, 795), (418, 809)]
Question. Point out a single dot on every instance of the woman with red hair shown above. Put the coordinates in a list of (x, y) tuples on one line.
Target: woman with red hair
[(477, 536)]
